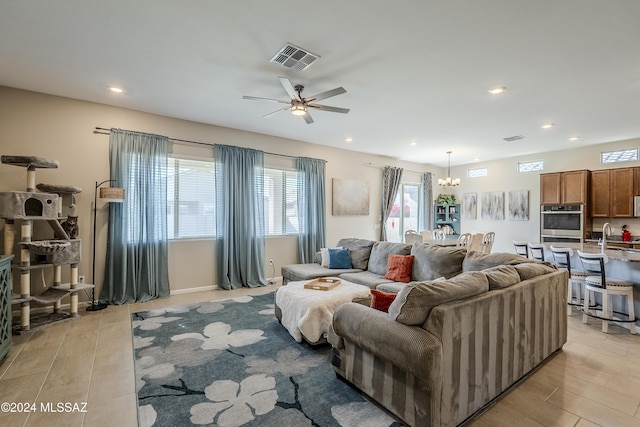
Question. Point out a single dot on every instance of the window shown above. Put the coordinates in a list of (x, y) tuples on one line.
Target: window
[(477, 173), (531, 166), (190, 198), (280, 202), (619, 156), (406, 218)]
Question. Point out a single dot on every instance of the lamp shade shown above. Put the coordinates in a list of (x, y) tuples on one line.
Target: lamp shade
[(112, 194)]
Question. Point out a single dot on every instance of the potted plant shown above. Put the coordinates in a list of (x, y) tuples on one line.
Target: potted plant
[(446, 199)]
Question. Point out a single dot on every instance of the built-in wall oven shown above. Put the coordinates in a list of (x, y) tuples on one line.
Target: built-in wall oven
[(562, 223)]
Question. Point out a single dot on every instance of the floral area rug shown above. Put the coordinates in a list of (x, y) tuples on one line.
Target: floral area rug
[(230, 363)]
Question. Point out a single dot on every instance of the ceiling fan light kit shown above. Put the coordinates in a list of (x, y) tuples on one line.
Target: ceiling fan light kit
[(298, 105)]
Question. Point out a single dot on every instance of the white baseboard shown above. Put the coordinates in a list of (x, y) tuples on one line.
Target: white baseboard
[(191, 290)]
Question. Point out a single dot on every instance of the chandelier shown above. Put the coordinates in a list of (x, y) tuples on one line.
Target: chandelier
[(448, 181)]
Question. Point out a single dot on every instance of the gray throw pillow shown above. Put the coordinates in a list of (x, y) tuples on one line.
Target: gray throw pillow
[(431, 262), (533, 269), (359, 251), (476, 261), (501, 276), (415, 301), (380, 255)]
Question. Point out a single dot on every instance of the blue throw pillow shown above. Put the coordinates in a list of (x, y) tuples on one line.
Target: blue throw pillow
[(339, 258)]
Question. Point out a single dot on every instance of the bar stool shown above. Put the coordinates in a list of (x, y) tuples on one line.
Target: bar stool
[(522, 248), (537, 251), (607, 286), (562, 258)]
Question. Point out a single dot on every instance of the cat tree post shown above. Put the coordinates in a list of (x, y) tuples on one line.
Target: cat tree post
[(31, 178), (25, 274), (57, 281), (73, 284), (9, 236)]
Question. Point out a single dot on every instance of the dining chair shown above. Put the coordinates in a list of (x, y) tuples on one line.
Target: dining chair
[(412, 236), (426, 235), (463, 240), (476, 242), (522, 248), (487, 242), (438, 234), (597, 281)]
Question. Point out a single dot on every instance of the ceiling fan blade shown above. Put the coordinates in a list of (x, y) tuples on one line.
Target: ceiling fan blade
[(275, 112), (257, 98), (307, 118), (327, 94), (329, 108), (286, 84)]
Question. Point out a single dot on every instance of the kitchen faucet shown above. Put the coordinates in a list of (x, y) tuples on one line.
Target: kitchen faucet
[(606, 231)]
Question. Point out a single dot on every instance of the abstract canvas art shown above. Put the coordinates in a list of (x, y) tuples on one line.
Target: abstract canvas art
[(350, 197), (470, 206), (519, 205), (492, 206)]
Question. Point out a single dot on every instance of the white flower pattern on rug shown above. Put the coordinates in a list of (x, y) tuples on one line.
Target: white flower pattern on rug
[(142, 342), (218, 336), (288, 363), (152, 323), (236, 404), (147, 415)]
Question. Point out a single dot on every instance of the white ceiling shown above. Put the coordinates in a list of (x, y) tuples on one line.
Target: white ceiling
[(414, 70)]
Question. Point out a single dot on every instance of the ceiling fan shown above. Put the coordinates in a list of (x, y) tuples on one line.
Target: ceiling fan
[(300, 106)]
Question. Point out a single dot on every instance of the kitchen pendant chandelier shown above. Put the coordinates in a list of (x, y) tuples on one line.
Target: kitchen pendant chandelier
[(448, 181)]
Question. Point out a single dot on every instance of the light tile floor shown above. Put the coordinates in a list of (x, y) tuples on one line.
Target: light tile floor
[(594, 381)]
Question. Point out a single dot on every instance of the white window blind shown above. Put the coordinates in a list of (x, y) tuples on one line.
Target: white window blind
[(280, 207)]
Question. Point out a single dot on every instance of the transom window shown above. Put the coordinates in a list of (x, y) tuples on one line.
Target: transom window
[(531, 166), (627, 155), (477, 173)]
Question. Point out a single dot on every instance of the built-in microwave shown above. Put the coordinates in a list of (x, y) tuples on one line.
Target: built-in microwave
[(562, 221)]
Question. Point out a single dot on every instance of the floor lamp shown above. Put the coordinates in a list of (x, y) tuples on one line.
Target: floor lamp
[(109, 195)]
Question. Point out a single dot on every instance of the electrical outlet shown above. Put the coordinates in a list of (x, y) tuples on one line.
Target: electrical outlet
[(80, 279)]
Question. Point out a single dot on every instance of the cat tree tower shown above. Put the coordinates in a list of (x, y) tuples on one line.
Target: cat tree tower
[(23, 208)]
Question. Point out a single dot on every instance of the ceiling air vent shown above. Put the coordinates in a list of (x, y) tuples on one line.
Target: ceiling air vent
[(294, 57), (514, 138)]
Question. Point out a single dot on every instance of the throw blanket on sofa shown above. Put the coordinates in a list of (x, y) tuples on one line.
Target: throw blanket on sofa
[(308, 312)]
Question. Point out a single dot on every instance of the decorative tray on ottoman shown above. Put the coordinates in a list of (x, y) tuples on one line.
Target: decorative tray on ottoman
[(323, 283)]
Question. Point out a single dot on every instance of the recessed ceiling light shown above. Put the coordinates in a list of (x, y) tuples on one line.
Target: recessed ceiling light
[(547, 126), (497, 90), (574, 138), (413, 143), (477, 159), (348, 139), (116, 89)]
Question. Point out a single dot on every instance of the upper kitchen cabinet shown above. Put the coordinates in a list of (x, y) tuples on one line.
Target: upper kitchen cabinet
[(612, 192), (564, 188)]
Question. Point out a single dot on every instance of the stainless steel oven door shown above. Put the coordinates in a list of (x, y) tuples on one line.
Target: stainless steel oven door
[(566, 224)]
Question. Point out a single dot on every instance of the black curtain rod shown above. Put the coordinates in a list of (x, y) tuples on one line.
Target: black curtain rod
[(108, 132)]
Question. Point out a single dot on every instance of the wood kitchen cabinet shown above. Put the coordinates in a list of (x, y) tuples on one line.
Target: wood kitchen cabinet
[(612, 192), (564, 188)]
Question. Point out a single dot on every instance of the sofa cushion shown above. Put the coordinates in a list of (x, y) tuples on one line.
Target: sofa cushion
[(365, 278), (433, 261), (381, 300), (415, 301), (296, 272), (391, 287), (532, 269), (359, 251), (324, 256), (501, 276), (380, 253), (339, 258), (399, 268), (476, 261)]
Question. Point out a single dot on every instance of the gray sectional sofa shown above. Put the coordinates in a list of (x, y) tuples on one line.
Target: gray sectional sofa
[(369, 262), (448, 347)]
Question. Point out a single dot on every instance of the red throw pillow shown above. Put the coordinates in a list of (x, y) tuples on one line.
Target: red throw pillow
[(381, 300), (399, 268)]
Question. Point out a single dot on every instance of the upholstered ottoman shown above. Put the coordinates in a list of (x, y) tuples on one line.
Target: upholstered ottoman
[(306, 313)]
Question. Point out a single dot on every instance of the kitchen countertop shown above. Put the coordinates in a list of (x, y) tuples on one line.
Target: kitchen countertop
[(619, 254)]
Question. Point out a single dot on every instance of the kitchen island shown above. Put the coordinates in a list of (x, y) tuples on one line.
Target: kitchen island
[(623, 264)]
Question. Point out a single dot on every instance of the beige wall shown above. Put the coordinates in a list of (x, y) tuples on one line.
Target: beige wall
[(503, 176), (62, 129)]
